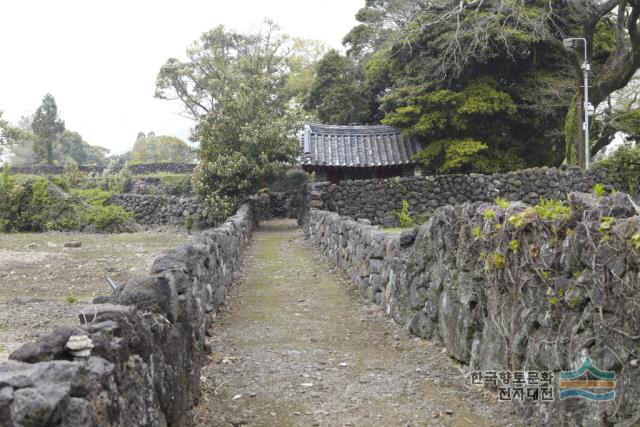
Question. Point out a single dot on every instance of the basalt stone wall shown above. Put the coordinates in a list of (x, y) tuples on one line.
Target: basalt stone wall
[(377, 199), (148, 340), (157, 210), (139, 169), (508, 295)]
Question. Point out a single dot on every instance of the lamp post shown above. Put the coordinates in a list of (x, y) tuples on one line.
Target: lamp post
[(568, 44)]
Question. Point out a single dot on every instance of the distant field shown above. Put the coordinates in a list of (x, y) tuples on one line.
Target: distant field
[(43, 284)]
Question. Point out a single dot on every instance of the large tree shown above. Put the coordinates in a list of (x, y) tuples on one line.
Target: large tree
[(47, 128), (435, 55), (235, 87), (338, 94)]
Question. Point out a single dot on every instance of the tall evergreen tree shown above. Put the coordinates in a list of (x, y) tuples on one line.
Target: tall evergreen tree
[(47, 127)]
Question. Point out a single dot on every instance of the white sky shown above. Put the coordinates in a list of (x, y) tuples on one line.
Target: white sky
[(99, 59)]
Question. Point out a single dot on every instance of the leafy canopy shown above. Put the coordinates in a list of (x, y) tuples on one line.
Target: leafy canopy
[(235, 87)]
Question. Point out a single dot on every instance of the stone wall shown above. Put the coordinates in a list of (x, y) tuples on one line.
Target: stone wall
[(377, 199), (147, 339), (156, 210), (507, 294), (138, 169)]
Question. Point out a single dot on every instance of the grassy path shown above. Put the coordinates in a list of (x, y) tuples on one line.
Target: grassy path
[(297, 347)]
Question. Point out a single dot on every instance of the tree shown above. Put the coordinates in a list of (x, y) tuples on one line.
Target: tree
[(156, 149), (338, 94), (71, 147), (16, 140), (517, 47), (621, 114), (234, 87), (47, 128), (216, 58)]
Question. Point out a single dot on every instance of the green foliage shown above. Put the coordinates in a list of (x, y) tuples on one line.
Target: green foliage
[(336, 95), (634, 241), (235, 86), (605, 224), (72, 299), (47, 128), (189, 223), (489, 214), (624, 167), (503, 203), (477, 233), (121, 181), (159, 149), (448, 156), (552, 209), (571, 133), (36, 205), (520, 220), (244, 147), (495, 261), (107, 218), (72, 173), (405, 218), (514, 245), (599, 190)]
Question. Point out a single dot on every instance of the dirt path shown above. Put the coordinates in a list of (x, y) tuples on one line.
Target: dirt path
[(298, 347)]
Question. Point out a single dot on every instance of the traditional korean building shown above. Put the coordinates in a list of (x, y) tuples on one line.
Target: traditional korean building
[(336, 153)]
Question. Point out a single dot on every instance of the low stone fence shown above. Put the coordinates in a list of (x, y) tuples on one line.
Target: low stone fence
[(135, 360), (377, 199), (136, 169), (156, 210), (515, 289)]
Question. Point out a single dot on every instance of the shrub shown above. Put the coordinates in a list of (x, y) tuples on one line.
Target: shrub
[(120, 182), (489, 214), (502, 203), (107, 218), (406, 221), (552, 209), (599, 190), (624, 167), (72, 173), (36, 205)]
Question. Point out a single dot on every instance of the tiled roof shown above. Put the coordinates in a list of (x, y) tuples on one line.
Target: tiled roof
[(356, 146)]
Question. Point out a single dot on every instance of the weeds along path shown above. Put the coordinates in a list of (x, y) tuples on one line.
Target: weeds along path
[(296, 346)]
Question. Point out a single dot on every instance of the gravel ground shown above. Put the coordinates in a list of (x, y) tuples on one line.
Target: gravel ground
[(297, 346), (44, 284)]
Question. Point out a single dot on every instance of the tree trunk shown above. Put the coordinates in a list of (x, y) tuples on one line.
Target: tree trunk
[(580, 135)]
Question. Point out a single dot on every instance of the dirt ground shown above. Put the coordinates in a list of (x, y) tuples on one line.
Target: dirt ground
[(297, 346), (44, 284)]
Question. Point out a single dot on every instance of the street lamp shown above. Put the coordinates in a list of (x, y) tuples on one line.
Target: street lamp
[(568, 44)]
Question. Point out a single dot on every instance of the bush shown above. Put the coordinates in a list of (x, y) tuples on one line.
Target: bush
[(107, 218), (36, 205), (406, 220), (624, 167)]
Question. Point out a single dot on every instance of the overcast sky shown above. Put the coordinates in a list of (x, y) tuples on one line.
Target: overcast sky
[(99, 59)]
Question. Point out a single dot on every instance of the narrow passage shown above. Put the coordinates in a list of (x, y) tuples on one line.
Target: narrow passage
[(297, 346)]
